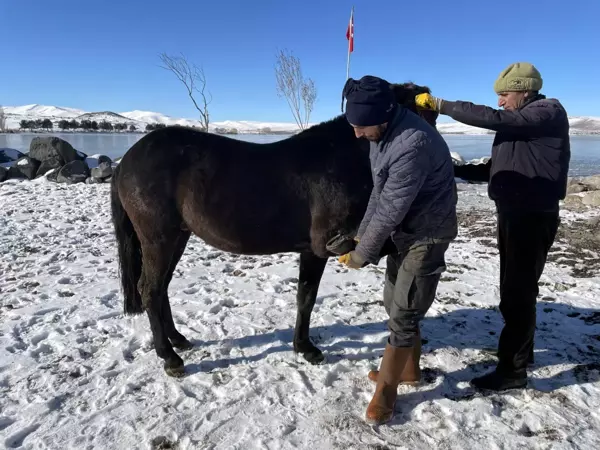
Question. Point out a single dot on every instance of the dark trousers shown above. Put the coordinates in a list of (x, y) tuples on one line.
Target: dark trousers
[(524, 239), (411, 281)]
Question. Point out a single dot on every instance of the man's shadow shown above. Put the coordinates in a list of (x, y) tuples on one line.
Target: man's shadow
[(565, 335)]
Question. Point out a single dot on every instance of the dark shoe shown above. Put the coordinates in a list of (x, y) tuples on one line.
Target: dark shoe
[(497, 381), (381, 407)]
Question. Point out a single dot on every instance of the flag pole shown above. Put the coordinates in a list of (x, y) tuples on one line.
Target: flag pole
[(350, 40)]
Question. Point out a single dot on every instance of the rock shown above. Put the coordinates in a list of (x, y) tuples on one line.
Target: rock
[(3, 173), (592, 182), (82, 156), (104, 170), (92, 180), (27, 166), (47, 165), (95, 160), (591, 198), (14, 174), (594, 222), (52, 175), (573, 199), (575, 188), (118, 160), (457, 159), (9, 155), (44, 148), (74, 172)]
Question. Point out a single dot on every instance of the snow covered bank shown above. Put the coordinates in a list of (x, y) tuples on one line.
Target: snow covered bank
[(75, 373)]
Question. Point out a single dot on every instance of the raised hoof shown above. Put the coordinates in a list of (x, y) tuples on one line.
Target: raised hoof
[(182, 344), (175, 368)]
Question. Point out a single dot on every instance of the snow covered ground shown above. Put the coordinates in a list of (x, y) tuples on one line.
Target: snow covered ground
[(76, 374)]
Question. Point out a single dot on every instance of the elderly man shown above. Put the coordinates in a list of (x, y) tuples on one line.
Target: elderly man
[(528, 177), (413, 201)]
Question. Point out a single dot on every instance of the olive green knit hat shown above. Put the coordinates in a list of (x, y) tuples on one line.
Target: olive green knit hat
[(519, 76)]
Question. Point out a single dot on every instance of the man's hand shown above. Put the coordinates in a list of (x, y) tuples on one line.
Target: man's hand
[(352, 260), (428, 101)]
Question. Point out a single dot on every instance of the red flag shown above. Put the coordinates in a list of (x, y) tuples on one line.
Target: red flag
[(350, 32)]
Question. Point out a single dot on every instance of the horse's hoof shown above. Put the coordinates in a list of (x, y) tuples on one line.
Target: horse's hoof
[(175, 368), (314, 357), (182, 344), (310, 353)]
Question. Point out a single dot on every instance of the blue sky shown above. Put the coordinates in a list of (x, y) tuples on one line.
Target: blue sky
[(104, 55)]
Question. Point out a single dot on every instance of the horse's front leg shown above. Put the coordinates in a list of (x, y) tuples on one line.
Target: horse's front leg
[(311, 271)]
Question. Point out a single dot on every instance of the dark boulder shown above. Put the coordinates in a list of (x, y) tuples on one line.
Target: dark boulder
[(73, 172), (9, 155), (52, 175), (45, 148), (104, 170), (15, 174), (27, 166), (47, 165), (95, 160)]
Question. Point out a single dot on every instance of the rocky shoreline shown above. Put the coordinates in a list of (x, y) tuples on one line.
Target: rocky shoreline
[(576, 247)]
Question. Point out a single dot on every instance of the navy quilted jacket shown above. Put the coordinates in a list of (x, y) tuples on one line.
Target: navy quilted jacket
[(530, 154), (414, 194)]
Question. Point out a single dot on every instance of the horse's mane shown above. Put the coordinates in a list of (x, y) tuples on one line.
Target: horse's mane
[(405, 95)]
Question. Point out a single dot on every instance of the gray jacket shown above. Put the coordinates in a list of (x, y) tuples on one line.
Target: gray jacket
[(414, 194)]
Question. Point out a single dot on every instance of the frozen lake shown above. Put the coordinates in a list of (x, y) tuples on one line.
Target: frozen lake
[(585, 150)]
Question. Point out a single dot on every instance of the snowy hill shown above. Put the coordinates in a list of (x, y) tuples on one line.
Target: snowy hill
[(580, 125)]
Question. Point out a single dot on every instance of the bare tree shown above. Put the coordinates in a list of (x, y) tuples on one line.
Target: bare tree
[(299, 93), (2, 119), (193, 79)]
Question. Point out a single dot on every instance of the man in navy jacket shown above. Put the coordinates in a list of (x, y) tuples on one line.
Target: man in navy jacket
[(528, 178)]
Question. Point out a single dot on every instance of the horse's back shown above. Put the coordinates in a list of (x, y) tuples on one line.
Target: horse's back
[(237, 196)]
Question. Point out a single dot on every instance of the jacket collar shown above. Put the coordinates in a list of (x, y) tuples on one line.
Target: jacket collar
[(393, 124), (532, 99)]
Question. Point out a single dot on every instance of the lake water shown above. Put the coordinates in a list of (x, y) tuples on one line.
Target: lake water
[(585, 150)]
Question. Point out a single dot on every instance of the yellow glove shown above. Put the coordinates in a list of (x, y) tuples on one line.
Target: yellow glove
[(351, 260), (428, 101)]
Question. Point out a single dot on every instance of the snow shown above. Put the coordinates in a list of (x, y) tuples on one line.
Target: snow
[(41, 111), (23, 162), (76, 373), (579, 125)]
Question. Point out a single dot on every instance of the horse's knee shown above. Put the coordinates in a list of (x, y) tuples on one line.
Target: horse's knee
[(149, 293)]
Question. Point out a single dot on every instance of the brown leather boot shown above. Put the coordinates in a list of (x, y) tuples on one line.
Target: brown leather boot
[(411, 375), (381, 407)]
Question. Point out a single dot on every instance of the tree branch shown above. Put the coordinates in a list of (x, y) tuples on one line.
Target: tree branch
[(194, 80)]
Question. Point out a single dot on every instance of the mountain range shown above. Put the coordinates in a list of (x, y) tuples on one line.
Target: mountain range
[(579, 125)]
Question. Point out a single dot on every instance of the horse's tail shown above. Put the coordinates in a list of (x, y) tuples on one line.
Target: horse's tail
[(130, 255)]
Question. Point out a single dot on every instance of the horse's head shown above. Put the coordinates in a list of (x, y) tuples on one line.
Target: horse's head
[(405, 95)]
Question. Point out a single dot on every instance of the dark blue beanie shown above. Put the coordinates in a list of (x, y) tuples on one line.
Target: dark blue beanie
[(369, 101)]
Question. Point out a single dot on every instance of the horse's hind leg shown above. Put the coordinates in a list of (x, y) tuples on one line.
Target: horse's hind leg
[(177, 339), (311, 271), (157, 255)]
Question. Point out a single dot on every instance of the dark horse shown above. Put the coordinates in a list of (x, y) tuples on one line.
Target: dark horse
[(293, 195)]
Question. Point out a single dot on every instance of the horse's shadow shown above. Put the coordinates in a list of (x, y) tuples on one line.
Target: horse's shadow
[(565, 335)]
